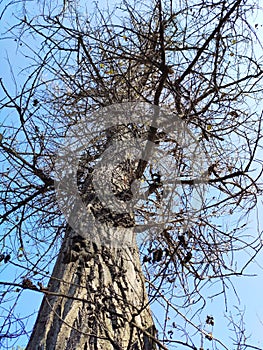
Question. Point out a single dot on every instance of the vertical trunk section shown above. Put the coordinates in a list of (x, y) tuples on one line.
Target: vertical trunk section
[(101, 303), (96, 297)]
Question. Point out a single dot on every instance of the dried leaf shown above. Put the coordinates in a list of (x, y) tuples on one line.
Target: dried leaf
[(110, 71)]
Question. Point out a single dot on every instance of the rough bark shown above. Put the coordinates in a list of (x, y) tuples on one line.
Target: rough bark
[(101, 302)]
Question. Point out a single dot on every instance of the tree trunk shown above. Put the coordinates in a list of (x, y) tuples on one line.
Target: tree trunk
[(101, 302)]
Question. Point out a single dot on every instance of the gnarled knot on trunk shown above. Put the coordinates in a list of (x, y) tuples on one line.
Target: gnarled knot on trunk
[(78, 249)]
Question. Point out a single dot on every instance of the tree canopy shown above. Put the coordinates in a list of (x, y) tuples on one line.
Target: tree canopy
[(197, 61)]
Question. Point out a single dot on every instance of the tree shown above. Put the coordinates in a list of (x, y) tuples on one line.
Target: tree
[(193, 61)]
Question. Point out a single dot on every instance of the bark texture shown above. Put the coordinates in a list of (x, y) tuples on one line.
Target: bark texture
[(96, 297), (101, 302)]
